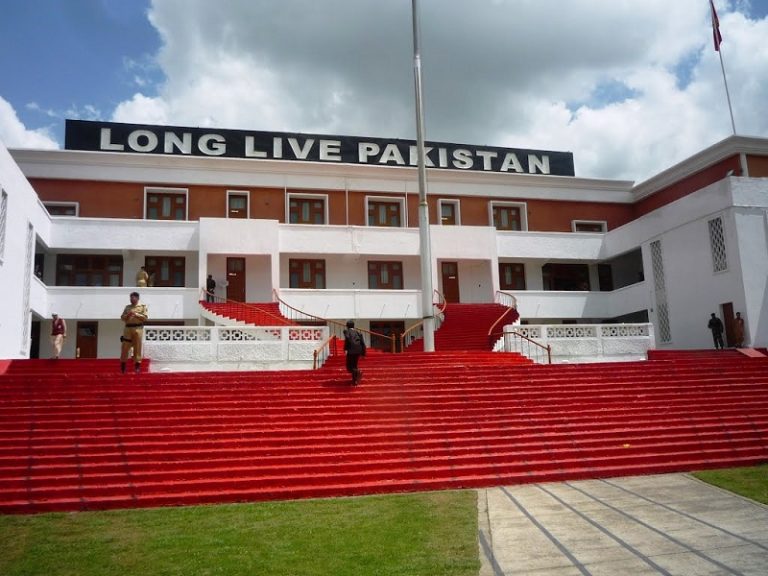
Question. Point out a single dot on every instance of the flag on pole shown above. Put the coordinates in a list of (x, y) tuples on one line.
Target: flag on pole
[(716, 36)]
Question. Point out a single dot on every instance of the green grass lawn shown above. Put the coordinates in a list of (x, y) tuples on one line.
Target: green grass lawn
[(751, 481), (432, 533)]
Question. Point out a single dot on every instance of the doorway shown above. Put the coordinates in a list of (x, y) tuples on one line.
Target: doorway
[(386, 327), (236, 279), (728, 318), (87, 340), (450, 273), (34, 346)]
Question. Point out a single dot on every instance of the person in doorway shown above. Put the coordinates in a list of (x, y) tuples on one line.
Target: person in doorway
[(58, 333), (354, 346), (716, 326), (738, 331), (134, 315), (142, 278), (210, 288)]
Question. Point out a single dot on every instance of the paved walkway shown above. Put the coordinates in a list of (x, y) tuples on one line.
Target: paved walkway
[(670, 524)]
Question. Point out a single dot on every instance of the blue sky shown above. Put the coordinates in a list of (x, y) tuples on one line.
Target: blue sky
[(629, 87)]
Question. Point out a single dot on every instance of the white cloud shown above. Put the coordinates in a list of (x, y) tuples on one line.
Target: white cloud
[(501, 72), (15, 135)]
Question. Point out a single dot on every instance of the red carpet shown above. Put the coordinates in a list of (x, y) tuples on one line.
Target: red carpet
[(80, 436), (255, 314), (466, 327)]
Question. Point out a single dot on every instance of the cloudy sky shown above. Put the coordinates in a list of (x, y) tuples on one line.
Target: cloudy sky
[(630, 87)]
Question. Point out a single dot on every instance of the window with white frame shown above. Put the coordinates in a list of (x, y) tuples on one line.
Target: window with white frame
[(449, 212), (237, 204), (509, 215), (3, 222), (385, 211), (62, 208), (596, 226), (717, 245), (166, 203), (308, 208)]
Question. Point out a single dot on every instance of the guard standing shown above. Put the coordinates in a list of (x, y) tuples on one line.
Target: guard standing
[(134, 315)]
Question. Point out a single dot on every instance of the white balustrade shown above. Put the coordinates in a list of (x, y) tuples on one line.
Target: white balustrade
[(191, 348)]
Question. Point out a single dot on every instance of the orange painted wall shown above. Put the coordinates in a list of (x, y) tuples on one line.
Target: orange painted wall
[(687, 186), (126, 200), (757, 166)]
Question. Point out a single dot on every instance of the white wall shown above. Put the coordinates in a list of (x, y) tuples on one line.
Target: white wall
[(102, 303), (20, 291), (345, 304)]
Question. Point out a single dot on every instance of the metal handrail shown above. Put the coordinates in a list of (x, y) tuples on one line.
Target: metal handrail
[(505, 299), (281, 320), (336, 328), (441, 305), (529, 342), (322, 352)]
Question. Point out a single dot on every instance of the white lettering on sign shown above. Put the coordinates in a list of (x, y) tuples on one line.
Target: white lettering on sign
[(106, 141), (541, 163), (301, 152), (462, 159), (487, 156), (511, 161), (136, 137), (167, 140), (392, 154), (250, 149), (330, 150), (183, 144), (212, 144), (414, 156), (365, 150)]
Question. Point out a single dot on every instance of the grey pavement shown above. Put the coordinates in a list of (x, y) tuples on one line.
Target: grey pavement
[(670, 524)]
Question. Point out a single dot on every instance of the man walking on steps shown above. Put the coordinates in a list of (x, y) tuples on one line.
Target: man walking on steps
[(716, 325), (354, 346), (134, 315), (58, 333)]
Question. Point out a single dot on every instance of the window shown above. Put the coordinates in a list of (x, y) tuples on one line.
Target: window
[(306, 273), (384, 213), (89, 270), (511, 276), (717, 245), (3, 221), (598, 226), (449, 212), (165, 270), (306, 209), (237, 204), (566, 277), (62, 208), (508, 216), (166, 204), (385, 275), (660, 291)]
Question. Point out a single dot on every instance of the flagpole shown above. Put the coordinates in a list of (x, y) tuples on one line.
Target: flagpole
[(727, 93), (427, 311), (717, 37)]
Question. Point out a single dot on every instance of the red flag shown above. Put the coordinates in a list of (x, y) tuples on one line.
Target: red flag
[(716, 36)]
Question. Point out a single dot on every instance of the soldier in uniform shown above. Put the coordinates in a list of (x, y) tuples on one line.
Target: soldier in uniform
[(134, 315), (142, 277)]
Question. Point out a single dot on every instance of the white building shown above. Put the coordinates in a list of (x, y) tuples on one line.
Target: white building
[(330, 223)]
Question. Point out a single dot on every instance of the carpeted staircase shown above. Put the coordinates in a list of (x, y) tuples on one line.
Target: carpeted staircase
[(254, 313), (466, 327), (76, 435)]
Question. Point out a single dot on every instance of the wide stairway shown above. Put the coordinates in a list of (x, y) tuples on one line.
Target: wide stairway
[(466, 327), (77, 435), (253, 314)]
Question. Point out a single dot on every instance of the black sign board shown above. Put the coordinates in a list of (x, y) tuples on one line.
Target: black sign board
[(174, 140)]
